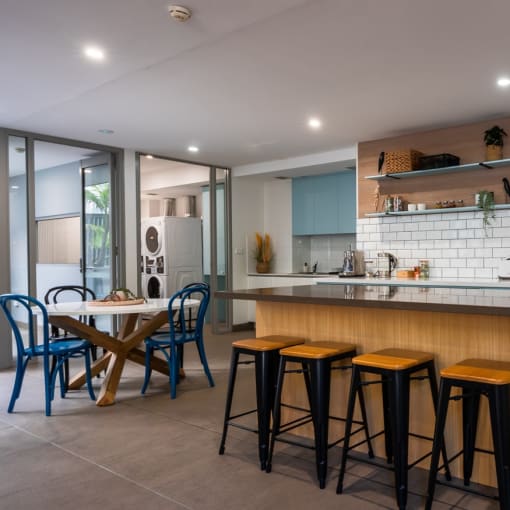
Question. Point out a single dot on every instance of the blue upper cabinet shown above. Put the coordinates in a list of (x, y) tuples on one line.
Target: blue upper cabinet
[(324, 204)]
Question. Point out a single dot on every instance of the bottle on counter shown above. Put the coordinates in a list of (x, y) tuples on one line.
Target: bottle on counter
[(424, 270)]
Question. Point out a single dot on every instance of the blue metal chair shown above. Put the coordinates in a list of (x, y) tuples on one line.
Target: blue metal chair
[(28, 349), (180, 332)]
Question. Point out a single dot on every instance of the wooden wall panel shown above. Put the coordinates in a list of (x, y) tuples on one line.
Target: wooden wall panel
[(463, 141), (451, 337)]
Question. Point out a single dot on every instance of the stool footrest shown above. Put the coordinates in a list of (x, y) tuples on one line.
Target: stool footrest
[(243, 427), (245, 413), (467, 488)]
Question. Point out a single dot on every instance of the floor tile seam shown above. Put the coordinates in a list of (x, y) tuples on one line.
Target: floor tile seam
[(182, 422), (104, 468)]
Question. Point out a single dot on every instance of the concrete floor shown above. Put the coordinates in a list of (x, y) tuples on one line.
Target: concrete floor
[(148, 452)]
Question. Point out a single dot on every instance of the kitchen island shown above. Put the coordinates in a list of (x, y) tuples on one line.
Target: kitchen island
[(453, 323)]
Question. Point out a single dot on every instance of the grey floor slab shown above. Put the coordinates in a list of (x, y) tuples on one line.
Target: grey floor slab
[(150, 452)]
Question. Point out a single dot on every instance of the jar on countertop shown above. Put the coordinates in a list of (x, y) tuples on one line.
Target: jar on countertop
[(424, 270)]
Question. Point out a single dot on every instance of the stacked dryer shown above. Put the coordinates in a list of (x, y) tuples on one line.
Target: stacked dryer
[(171, 254)]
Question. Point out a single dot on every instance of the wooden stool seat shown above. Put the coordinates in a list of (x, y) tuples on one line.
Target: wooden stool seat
[(318, 350), (393, 359), (267, 343), (479, 370)]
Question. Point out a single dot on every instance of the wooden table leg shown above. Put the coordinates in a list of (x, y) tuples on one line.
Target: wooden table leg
[(95, 368), (111, 382)]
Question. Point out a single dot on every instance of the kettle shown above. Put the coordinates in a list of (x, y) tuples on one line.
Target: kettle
[(386, 263)]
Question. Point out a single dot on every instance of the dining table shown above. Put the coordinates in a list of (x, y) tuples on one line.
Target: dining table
[(120, 348)]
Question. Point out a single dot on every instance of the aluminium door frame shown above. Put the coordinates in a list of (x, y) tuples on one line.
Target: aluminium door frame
[(213, 240), (116, 197)]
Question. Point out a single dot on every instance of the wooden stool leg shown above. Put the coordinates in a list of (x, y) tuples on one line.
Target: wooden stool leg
[(320, 378), (470, 408), (499, 403), (442, 410), (355, 383), (399, 402), (230, 393)]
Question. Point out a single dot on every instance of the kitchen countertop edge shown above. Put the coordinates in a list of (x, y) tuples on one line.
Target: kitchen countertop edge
[(336, 295)]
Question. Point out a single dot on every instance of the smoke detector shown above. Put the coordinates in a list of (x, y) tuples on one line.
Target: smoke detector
[(179, 13)]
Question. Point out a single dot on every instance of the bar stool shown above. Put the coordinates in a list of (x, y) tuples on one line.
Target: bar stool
[(396, 368), (265, 356), (476, 377), (316, 360)]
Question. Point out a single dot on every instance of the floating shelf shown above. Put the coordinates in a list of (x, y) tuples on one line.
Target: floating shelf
[(484, 165), (434, 211)]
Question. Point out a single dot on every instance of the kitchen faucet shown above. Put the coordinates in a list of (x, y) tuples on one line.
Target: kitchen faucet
[(314, 267)]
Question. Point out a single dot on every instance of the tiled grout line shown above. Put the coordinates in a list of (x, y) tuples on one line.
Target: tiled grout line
[(100, 466)]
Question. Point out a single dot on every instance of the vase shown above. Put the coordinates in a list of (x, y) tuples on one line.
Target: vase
[(493, 152), (262, 267)]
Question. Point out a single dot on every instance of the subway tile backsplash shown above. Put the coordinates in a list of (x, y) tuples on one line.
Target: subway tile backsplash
[(455, 244)]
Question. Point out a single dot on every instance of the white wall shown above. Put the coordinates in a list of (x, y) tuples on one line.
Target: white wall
[(247, 218), (278, 222)]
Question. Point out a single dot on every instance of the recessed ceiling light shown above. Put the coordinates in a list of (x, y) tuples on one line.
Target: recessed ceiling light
[(149, 156), (193, 148), (87, 171), (314, 123), (14, 186), (106, 131), (504, 82), (94, 53)]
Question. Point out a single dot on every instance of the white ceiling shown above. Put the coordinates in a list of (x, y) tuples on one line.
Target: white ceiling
[(241, 77)]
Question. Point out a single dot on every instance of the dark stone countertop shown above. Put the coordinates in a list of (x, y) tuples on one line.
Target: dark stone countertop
[(427, 299)]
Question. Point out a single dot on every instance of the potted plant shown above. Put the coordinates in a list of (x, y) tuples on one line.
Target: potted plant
[(263, 252), (493, 139), (485, 200)]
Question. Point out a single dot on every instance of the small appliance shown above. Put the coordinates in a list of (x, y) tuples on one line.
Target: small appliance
[(354, 263), (386, 263), (504, 269)]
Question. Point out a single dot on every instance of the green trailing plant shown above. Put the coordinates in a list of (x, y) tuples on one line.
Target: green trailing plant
[(486, 203), (494, 136)]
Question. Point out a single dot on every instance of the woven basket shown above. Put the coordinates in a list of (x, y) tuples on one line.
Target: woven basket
[(401, 161)]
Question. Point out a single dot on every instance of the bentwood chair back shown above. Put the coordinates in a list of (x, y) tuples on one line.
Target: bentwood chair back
[(28, 348), (62, 293), (181, 331)]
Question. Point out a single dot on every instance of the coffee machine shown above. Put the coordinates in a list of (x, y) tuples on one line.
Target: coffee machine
[(354, 263)]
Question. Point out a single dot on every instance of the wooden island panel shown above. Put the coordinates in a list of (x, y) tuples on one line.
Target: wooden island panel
[(450, 336)]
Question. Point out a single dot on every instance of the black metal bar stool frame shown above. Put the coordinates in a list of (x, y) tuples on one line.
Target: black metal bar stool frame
[(317, 377), (395, 394), (498, 396), (266, 366)]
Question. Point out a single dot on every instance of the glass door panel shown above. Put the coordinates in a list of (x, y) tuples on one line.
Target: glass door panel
[(220, 275), (97, 253)]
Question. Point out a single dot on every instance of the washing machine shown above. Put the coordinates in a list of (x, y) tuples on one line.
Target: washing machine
[(155, 286), (153, 246)]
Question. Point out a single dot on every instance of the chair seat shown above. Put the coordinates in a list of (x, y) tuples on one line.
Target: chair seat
[(61, 347), (393, 359), (267, 343), (163, 340), (479, 370), (318, 350)]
